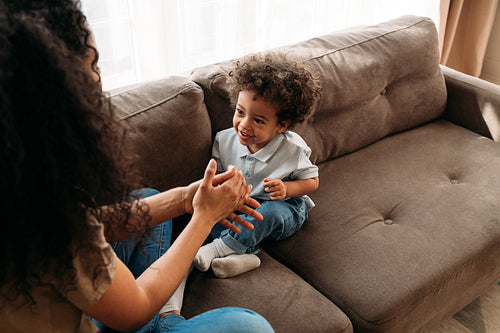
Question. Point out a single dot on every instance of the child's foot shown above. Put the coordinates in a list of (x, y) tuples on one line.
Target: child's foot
[(234, 264), (207, 253)]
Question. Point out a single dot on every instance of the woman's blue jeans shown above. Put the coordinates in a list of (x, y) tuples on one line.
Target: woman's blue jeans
[(156, 242)]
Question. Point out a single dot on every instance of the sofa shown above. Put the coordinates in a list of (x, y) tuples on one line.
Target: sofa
[(406, 228)]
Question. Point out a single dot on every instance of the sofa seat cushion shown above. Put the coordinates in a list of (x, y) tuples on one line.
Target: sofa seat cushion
[(408, 227), (286, 300)]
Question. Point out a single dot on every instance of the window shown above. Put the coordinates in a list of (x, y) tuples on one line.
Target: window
[(146, 40)]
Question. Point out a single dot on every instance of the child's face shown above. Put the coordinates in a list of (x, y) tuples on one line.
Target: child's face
[(255, 121)]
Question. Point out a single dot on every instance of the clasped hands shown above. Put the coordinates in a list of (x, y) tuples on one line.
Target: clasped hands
[(219, 196)]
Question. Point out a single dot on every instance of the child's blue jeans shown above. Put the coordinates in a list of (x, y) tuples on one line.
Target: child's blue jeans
[(156, 243), (281, 220)]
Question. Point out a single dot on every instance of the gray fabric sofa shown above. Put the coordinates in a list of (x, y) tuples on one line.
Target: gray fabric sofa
[(406, 228)]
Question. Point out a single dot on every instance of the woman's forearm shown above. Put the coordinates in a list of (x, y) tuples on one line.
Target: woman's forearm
[(165, 274), (128, 303), (160, 207)]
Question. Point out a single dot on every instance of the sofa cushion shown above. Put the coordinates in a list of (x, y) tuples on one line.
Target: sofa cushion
[(376, 81), (286, 301), (170, 129), (408, 227)]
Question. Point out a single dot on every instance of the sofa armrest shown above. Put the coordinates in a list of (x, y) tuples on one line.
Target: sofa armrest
[(472, 103)]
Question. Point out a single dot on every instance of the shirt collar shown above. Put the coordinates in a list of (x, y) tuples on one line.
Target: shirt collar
[(265, 152)]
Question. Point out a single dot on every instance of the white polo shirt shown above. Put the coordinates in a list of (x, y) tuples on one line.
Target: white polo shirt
[(285, 157)]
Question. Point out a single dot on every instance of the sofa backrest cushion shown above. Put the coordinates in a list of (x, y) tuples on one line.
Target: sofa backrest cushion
[(376, 81), (170, 129)]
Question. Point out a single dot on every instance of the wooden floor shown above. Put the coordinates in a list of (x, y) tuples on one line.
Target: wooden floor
[(480, 316)]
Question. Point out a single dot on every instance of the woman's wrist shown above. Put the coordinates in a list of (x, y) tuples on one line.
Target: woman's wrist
[(203, 220), (187, 196)]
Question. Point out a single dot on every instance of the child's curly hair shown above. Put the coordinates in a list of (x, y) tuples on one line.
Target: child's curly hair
[(287, 85)]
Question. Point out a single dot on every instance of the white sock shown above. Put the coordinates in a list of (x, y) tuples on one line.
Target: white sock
[(175, 301), (207, 253), (234, 264)]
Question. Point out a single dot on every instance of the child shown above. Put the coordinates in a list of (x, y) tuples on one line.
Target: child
[(273, 95)]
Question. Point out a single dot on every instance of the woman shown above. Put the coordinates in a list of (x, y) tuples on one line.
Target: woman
[(67, 179)]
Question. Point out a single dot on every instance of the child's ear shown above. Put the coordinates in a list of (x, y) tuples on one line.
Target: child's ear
[(284, 125)]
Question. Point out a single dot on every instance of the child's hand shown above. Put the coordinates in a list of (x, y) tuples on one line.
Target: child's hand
[(276, 188)]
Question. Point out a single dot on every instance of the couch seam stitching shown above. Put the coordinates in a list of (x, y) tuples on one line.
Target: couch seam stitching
[(365, 41), (188, 87)]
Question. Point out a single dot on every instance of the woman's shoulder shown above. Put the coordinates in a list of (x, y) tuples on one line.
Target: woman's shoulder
[(95, 265), (90, 275)]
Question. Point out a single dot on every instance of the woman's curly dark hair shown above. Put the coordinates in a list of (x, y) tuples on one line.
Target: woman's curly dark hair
[(64, 152), (288, 85), (63, 18)]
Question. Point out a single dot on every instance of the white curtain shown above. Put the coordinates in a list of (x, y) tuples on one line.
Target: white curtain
[(142, 40)]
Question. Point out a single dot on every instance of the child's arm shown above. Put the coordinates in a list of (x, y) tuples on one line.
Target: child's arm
[(279, 190)]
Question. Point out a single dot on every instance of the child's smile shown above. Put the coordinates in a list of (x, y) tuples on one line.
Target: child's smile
[(244, 136), (256, 121)]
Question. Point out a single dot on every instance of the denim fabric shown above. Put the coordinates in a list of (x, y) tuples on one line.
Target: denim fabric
[(281, 220), (157, 241), (230, 320), (224, 320)]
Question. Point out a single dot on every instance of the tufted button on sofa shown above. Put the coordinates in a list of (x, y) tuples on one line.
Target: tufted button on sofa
[(406, 228)]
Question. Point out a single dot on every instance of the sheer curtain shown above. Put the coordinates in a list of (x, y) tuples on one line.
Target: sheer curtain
[(142, 40)]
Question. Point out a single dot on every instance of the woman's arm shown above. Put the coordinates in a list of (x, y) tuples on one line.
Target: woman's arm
[(129, 304), (175, 202)]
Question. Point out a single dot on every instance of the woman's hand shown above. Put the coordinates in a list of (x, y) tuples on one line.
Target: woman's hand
[(190, 190), (247, 208), (218, 197), (276, 188)]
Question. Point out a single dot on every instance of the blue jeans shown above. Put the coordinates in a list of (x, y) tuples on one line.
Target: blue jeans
[(224, 320), (281, 220), (156, 242), (230, 320)]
